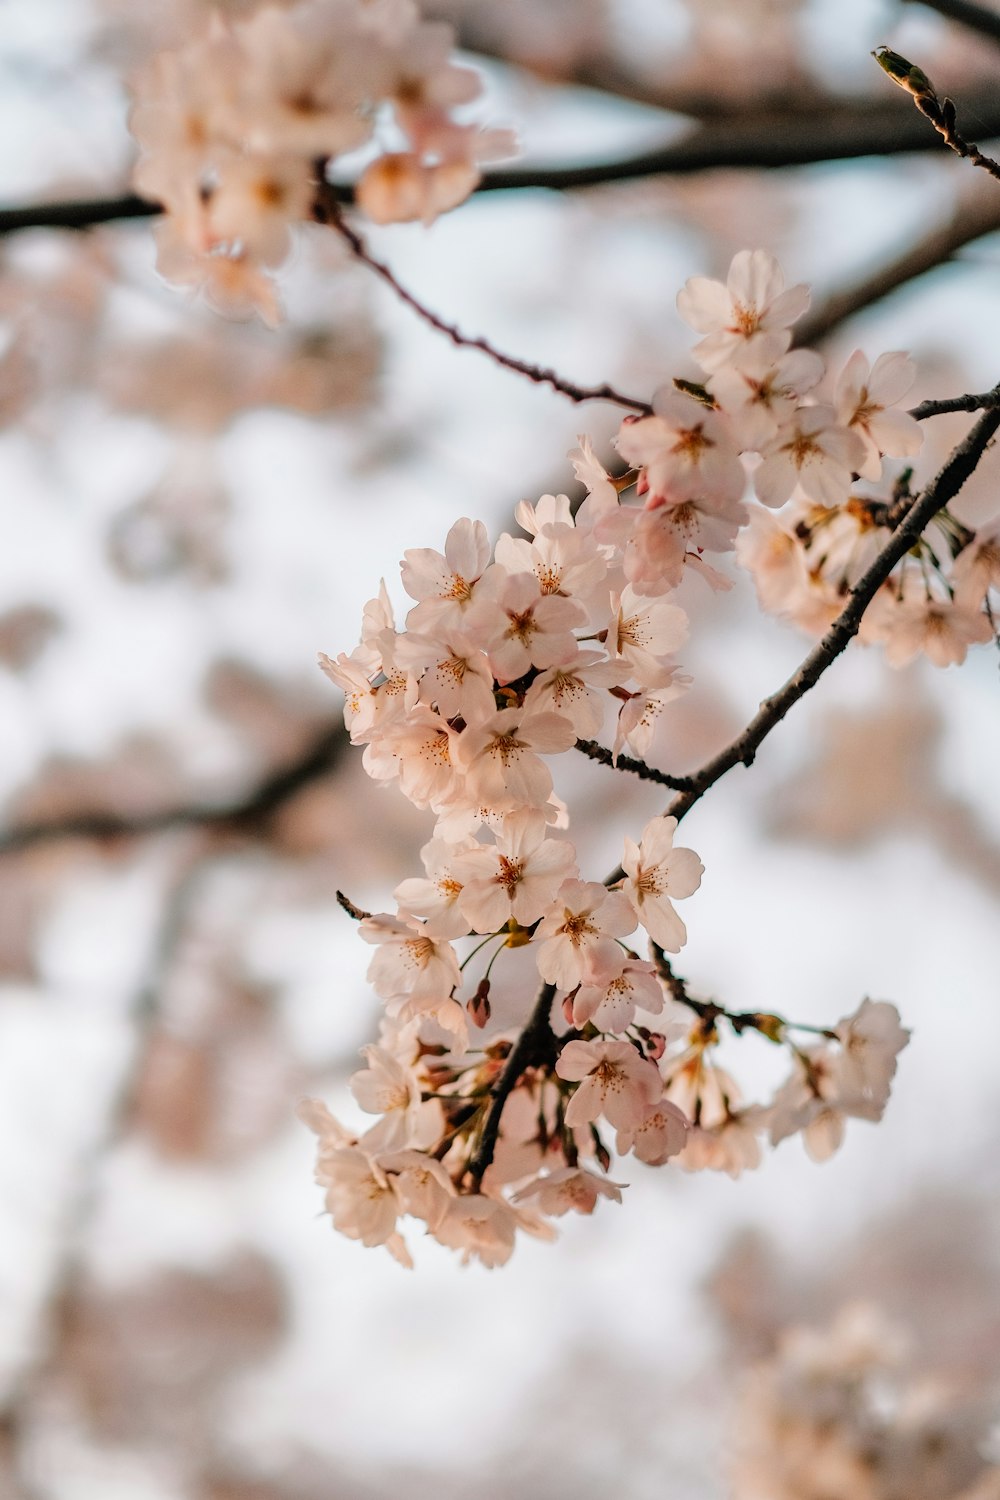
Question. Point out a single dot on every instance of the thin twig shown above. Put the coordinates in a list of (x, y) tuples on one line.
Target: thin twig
[(766, 1022), (939, 110), (639, 768), (319, 757), (958, 468), (539, 374), (346, 904), (534, 1046)]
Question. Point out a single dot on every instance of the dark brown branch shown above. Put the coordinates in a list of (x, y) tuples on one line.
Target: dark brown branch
[(639, 768), (960, 465), (837, 130), (346, 904), (975, 17), (319, 757), (976, 216), (766, 1022), (984, 401), (538, 374), (535, 1045)]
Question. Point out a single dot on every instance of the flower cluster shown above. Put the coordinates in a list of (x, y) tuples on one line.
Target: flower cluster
[(508, 656), (660, 1092), (238, 127), (756, 420), (835, 1411)]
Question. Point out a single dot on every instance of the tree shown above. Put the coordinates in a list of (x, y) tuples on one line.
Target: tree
[(854, 516)]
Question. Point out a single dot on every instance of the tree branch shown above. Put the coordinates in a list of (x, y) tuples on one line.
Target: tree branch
[(538, 374), (837, 130), (974, 217), (975, 17), (534, 1046), (639, 768), (984, 401), (319, 757), (960, 465)]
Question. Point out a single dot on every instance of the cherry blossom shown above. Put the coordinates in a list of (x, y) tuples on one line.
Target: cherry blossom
[(614, 1081), (684, 449), (644, 633), (577, 935), (761, 387), (812, 452), (435, 898), (658, 1136), (443, 583), (752, 304), (512, 656), (500, 758), (656, 871), (611, 998), (408, 961), (863, 400), (569, 1189), (385, 1087), (977, 567), (517, 879)]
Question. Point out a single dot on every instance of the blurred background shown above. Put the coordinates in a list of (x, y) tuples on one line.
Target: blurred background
[(191, 509)]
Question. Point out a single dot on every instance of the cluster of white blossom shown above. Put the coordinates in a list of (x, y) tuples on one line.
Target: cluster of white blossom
[(821, 457), (514, 654), (237, 130), (835, 1413), (660, 1091)]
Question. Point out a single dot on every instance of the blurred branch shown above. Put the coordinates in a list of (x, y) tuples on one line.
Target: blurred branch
[(836, 130), (973, 217), (320, 756), (975, 17), (68, 1270), (538, 374)]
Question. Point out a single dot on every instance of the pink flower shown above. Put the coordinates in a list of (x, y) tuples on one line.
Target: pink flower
[(611, 998), (863, 398), (977, 567), (614, 1082), (500, 758), (814, 452), (518, 878), (572, 691), (753, 303), (533, 629), (643, 633), (657, 872), (409, 962), (639, 714), (444, 584), (578, 934), (569, 1188), (658, 1136), (684, 449), (762, 385)]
